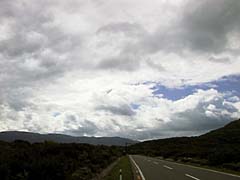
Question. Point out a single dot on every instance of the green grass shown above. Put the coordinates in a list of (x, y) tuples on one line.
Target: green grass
[(125, 165)]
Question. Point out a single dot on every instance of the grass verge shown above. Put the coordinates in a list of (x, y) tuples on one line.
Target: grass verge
[(124, 164)]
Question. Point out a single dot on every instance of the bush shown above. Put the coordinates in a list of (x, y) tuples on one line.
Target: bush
[(53, 161)]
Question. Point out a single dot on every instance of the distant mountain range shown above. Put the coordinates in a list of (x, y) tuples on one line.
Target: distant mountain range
[(218, 147), (10, 136)]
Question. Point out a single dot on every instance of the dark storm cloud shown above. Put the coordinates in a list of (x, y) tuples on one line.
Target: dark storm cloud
[(208, 23), (196, 120), (203, 27), (156, 66), (123, 110), (122, 62), (87, 128), (24, 19), (220, 59), (129, 29), (80, 129), (127, 59)]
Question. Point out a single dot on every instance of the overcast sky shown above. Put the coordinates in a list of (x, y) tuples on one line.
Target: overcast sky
[(132, 68)]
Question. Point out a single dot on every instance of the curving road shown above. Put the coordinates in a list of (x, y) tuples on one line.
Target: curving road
[(148, 168)]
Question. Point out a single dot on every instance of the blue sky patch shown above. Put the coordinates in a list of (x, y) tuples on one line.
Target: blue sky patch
[(55, 114), (226, 84), (135, 106)]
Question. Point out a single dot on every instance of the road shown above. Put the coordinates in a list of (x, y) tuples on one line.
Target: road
[(155, 169)]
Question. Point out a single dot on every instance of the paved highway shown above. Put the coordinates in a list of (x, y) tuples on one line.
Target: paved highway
[(155, 169)]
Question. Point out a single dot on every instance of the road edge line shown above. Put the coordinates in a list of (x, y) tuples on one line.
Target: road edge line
[(192, 177), (139, 170), (168, 167), (202, 168)]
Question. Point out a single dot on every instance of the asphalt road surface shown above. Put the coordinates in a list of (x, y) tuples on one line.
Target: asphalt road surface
[(155, 169)]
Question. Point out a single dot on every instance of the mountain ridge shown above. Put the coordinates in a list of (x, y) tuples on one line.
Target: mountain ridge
[(31, 137)]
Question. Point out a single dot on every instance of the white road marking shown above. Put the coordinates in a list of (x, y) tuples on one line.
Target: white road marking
[(195, 167), (155, 162), (167, 167), (191, 177), (139, 170)]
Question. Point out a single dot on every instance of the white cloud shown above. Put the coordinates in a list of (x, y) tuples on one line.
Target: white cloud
[(78, 67)]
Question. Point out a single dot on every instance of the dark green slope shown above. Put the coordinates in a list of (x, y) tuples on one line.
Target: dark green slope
[(217, 147), (228, 134)]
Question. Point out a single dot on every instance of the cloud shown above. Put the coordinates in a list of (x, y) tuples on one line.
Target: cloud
[(194, 115), (124, 63), (90, 67), (129, 29), (34, 50), (124, 110), (208, 24), (202, 27), (220, 60)]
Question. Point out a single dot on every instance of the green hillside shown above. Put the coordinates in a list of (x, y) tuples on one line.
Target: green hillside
[(220, 147)]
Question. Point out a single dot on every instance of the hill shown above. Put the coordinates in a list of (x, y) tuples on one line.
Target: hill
[(11, 136), (21, 160), (220, 147), (229, 133)]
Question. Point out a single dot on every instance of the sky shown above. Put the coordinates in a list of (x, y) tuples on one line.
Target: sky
[(131, 68)]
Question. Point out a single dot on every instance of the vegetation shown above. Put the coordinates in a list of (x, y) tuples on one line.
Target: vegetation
[(123, 164), (219, 148), (10, 136), (21, 160)]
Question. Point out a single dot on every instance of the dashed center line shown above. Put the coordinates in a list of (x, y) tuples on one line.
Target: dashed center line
[(155, 162), (167, 167), (191, 177)]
